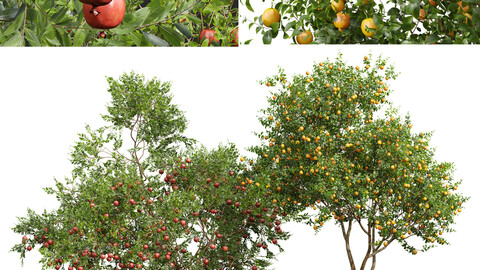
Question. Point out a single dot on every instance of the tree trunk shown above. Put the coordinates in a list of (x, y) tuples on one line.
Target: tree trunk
[(346, 236), (371, 240), (374, 259)]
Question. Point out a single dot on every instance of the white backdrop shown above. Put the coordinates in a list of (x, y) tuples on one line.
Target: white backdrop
[(45, 102)]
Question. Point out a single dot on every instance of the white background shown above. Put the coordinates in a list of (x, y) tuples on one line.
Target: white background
[(48, 95)]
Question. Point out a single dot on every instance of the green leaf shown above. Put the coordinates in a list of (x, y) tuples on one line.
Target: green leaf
[(186, 6), (267, 37), (171, 35), (304, 17), (123, 29), (59, 16), (184, 30), (8, 14), (136, 38), (154, 40), (158, 14), (393, 12), (63, 37), (32, 37), (410, 8), (432, 39), (194, 19), (14, 41), (17, 23), (289, 26), (274, 27), (377, 20), (140, 16), (78, 6), (205, 43), (394, 26), (79, 37), (52, 41), (249, 6)]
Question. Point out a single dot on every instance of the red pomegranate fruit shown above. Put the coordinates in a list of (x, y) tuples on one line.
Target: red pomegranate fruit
[(234, 37), (96, 2), (208, 34), (106, 16)]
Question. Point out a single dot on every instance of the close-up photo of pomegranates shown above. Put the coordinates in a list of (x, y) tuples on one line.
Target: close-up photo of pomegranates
[(140, 23)]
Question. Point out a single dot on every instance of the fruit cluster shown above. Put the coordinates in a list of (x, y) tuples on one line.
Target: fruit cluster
[(369, 21)]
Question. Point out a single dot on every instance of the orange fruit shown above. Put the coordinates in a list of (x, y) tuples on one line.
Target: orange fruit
[(342, 21), (338, 5), (305, 37), (368, 23), (432, 3), (421, 16), (269, 16)]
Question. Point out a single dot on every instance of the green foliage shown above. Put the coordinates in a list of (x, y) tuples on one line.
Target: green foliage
[(398, 21), (130, 202), (158, 23), (324, 151)]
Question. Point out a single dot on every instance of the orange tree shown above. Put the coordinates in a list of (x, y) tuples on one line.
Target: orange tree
[(324, 152), (370, 21), (145, 23), (137, 200)]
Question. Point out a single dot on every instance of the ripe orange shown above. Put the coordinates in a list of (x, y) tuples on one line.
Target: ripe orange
[(338, 5), (432, 2), (269, 16), (421, 16), (305, 37), (342, 21), (368, 22)]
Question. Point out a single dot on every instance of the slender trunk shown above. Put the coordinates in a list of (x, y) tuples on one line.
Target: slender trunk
[(374, 259), (365, 259), (346, 236)]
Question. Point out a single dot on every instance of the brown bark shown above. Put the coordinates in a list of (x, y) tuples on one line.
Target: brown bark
[(346, 236), (367, 255)]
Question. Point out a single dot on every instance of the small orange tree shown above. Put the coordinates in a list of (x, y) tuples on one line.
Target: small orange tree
[(373, 21), (141, 196), (324, 152)]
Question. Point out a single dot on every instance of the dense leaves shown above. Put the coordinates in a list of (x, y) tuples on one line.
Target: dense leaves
[(142, 196), (398, 21), (146, 23), (328, 149)]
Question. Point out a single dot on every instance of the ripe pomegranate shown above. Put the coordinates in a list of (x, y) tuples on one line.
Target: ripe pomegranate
[(208, 34), (101, 35), (96, 2), (234, 37), (106, 16)]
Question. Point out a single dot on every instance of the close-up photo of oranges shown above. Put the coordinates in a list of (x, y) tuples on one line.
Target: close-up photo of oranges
[(363, 21)]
